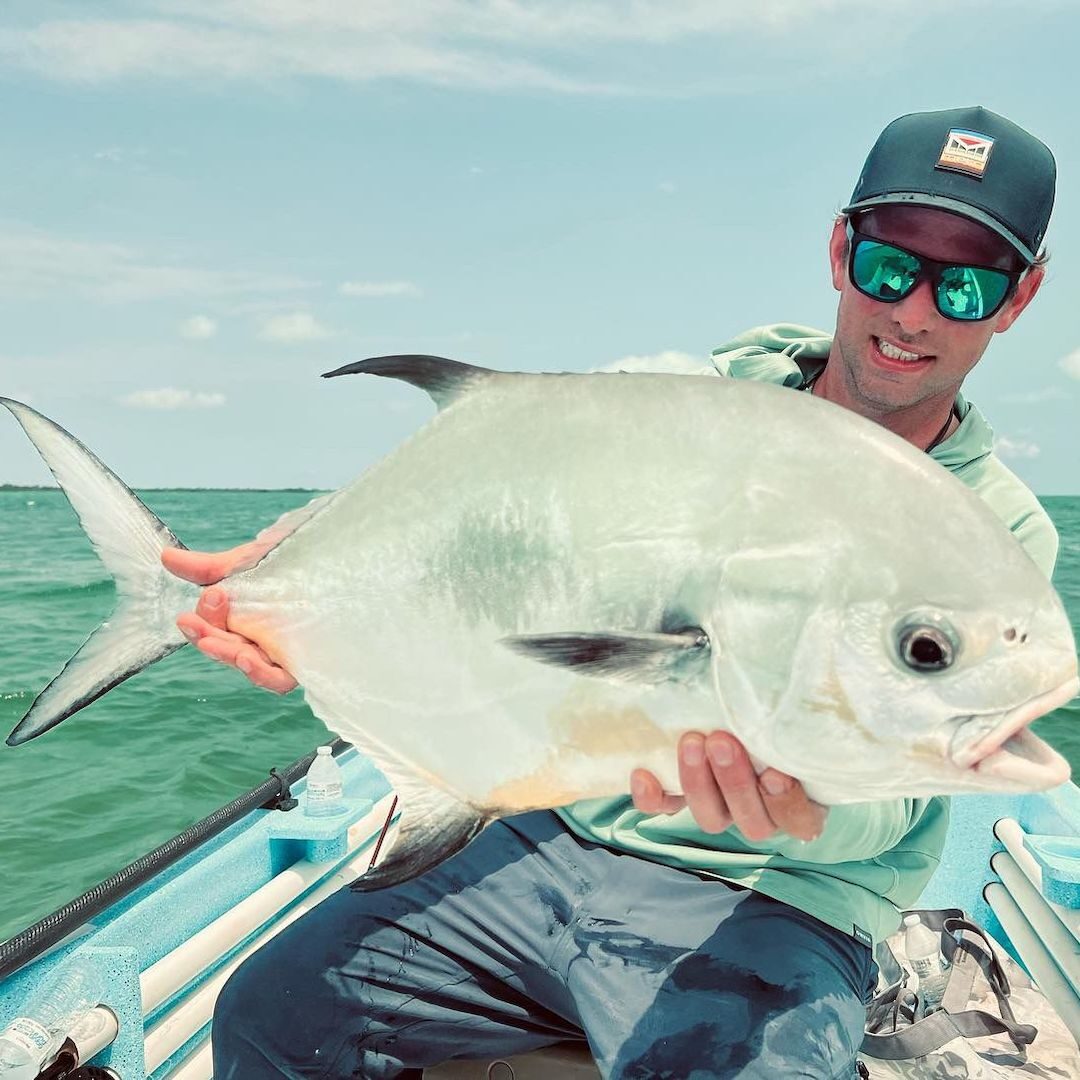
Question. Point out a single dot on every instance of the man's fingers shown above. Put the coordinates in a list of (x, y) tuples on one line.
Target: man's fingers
[(735, 777), (250, 659), (790, 807), (206, 567), (192, 627), (707, 802), (236, 651), (649, 795), (213, 606)]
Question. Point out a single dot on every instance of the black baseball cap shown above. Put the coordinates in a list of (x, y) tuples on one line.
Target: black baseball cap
[(970, 162)]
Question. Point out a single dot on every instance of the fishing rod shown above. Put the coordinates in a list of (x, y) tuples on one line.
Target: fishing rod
[(272, 794)]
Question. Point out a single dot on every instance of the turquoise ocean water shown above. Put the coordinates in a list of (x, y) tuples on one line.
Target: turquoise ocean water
[(174, 743)]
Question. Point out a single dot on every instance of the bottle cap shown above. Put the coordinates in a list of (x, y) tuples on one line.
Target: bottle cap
[(911, 920)]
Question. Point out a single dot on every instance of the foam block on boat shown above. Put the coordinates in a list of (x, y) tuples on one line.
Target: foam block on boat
[(323, 837), (1059, 859)]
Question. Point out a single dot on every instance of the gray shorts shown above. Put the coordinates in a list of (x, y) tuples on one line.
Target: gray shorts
[(529, 937)]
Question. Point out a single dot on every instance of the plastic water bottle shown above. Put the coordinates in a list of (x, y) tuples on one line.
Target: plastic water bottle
[(33, 1036), (324, 782), (923, 949)]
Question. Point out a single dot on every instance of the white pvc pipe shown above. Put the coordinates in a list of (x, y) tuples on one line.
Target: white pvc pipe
[(94, 1031), (197, 1066), (176, 969), (1060, 944), (1012, 835), (192, 1014), (1039, 962)]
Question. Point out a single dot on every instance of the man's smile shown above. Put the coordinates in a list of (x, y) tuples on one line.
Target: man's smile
[(889, 355)]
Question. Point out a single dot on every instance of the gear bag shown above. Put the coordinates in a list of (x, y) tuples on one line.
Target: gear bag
[(993, 1023)]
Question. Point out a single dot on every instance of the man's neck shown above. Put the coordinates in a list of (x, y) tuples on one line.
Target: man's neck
[(923, 424)]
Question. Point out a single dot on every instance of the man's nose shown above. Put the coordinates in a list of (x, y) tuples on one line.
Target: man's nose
[(917, 311)]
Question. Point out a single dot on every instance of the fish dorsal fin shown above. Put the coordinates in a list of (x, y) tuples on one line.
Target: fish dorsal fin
[(445, 380), (620, 655)]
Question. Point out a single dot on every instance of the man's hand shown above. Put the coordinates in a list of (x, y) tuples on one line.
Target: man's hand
[(207, 627), (721, 789)]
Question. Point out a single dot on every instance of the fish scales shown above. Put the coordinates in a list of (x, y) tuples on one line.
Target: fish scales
[(558, 575)]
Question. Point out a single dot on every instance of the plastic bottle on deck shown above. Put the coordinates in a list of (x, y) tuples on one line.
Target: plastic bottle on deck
[(34, 1036), (323, 796), (923, 949)]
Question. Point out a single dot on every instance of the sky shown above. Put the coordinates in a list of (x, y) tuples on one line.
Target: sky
[(204, 204)]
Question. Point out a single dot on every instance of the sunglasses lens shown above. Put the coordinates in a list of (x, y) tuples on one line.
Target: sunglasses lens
[(882, 271), (970, 292), (967, 293)]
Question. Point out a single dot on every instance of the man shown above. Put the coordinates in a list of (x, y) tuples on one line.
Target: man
[(724, 932)]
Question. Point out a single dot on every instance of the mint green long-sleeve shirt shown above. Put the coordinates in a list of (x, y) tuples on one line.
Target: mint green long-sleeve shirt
[(872, 859)]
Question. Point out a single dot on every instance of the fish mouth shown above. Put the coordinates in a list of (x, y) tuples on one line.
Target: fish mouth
[(999, 746)]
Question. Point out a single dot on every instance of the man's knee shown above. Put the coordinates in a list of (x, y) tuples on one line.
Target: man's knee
[(241, 1013), (768, 1011), (270, 1016), (814, 1040)]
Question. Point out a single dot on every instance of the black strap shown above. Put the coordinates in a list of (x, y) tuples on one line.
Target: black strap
[(939, 1028), (969, 950)]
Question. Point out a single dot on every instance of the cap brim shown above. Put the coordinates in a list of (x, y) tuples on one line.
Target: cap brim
[(952, 206)]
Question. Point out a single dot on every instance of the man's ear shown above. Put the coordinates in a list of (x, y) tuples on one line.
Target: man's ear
[(1025, 293), (838, 252)]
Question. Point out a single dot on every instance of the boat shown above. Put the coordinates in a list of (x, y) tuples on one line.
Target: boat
[(168, 930)]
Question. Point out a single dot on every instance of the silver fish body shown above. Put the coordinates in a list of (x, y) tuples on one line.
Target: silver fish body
[(678, 553)]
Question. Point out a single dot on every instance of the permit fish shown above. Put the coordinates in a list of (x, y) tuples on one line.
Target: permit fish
[(559, 574)]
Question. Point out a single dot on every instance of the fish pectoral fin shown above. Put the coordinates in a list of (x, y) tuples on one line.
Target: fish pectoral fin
[(433, 827), (620, 655), (444, 380)]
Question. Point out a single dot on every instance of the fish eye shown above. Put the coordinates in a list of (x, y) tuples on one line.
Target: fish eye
[(926, 647)]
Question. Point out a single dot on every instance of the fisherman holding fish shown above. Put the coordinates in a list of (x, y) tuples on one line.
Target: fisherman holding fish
[(544, 928), (726, 930)]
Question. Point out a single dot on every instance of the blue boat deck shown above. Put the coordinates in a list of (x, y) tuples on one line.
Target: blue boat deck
[(169, 946)]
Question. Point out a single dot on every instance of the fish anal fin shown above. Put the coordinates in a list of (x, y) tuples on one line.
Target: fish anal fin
[(431, 830), (624, 656), (444, 380)]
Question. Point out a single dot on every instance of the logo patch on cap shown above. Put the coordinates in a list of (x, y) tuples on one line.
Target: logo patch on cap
[(966, 152)]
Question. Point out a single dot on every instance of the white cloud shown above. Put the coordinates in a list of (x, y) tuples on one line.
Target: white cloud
[(378, 288), (35, 262), (279, 39), (1037, 397), (1071, 364), (289, 329), (1015, 448), (198, 328), (670, 361), (134, 156), (482, 44), (169, 397)]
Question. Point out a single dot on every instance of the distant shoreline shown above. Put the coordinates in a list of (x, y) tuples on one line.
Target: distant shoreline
[(55, 487), (307, 491)]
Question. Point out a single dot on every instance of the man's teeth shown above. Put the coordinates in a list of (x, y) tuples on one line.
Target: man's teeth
[(894, 353)]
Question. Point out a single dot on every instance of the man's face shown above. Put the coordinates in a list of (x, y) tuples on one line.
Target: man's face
[(935, 353)]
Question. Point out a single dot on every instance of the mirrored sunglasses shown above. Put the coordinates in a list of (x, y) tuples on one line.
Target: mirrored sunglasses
[(887, 272)]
